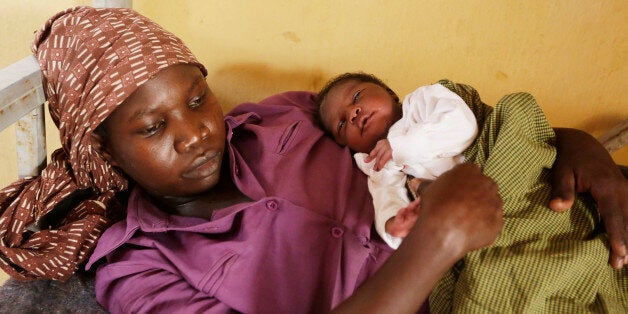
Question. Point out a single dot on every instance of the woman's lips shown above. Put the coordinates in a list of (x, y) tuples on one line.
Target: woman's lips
[(204, 166)]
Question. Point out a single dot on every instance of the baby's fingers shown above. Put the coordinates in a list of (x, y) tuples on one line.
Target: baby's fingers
[(378, 154), (383, 158)]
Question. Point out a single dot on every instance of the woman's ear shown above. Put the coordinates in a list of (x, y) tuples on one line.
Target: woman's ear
[(98, 144)]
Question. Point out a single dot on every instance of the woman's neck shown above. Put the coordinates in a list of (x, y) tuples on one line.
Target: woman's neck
[(223, 194)]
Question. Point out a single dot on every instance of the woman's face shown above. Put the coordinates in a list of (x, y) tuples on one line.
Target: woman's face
[(358, 114), (169, 135)]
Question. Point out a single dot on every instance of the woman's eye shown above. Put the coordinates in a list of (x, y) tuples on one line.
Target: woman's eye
[(153, 128), (196, 102)]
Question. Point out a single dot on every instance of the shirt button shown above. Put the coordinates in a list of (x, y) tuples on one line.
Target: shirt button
[(365, 242), (337, 232), (272, 205)]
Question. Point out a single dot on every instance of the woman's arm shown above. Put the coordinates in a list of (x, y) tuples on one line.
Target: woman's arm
[(583, 165), (460, 211), (148, 283)]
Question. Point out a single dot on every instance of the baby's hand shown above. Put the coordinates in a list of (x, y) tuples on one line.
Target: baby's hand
[(400, 225), (382, 153)]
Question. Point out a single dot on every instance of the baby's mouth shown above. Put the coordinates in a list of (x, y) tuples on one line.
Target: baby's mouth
[(362, 124)]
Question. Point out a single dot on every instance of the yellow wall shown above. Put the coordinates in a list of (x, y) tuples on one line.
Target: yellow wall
[(570, 54)]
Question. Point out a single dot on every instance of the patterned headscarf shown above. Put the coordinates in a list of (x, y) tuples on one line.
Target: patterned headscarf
[(92, 60)]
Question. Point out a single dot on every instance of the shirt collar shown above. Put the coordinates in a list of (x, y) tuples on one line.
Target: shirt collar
[(145, 215)]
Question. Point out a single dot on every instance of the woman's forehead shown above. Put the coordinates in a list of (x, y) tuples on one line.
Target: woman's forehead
[(175, 83)]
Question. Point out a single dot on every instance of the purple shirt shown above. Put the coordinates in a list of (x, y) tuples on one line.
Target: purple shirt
[(303, 245)]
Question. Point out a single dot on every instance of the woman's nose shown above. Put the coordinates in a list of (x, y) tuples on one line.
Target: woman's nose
[(353, 113), (190, 135)]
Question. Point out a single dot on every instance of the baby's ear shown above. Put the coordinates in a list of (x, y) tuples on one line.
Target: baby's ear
[(98, 144)]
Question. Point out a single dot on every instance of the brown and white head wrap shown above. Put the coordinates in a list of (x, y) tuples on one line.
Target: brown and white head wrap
[(92, 60)]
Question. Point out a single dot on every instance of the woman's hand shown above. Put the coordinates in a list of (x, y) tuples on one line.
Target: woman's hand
[(583, 165), (467, 205), (460, 211)]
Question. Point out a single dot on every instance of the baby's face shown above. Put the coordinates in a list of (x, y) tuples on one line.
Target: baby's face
[(358, 114)]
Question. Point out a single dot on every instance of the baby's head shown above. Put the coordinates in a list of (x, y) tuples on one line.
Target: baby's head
[(358, 109)]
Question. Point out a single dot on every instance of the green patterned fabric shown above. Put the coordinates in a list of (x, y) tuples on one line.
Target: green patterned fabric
[(542, 262)]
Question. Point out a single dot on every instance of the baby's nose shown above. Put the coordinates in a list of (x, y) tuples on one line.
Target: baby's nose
[(354, 114)]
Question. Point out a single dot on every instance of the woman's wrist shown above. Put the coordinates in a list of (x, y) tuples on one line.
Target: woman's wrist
[(447, 244)]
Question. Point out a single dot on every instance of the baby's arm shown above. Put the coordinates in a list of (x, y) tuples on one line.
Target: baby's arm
[(387, 188), (400, 224), (436, 127)]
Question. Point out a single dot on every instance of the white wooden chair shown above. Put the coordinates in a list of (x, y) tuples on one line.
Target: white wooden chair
[(22, 103), (615, 138)]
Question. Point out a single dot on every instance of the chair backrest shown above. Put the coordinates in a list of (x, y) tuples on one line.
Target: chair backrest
[(22, 103), (616, 138)]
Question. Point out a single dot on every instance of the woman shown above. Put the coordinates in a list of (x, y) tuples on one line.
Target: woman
[(191, 239)]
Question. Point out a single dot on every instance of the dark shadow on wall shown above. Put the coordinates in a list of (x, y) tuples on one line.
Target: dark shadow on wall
[(250, 82), (599, 124)]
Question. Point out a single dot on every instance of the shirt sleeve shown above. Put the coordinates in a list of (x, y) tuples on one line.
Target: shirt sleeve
[(439, 126), (147, 285)]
